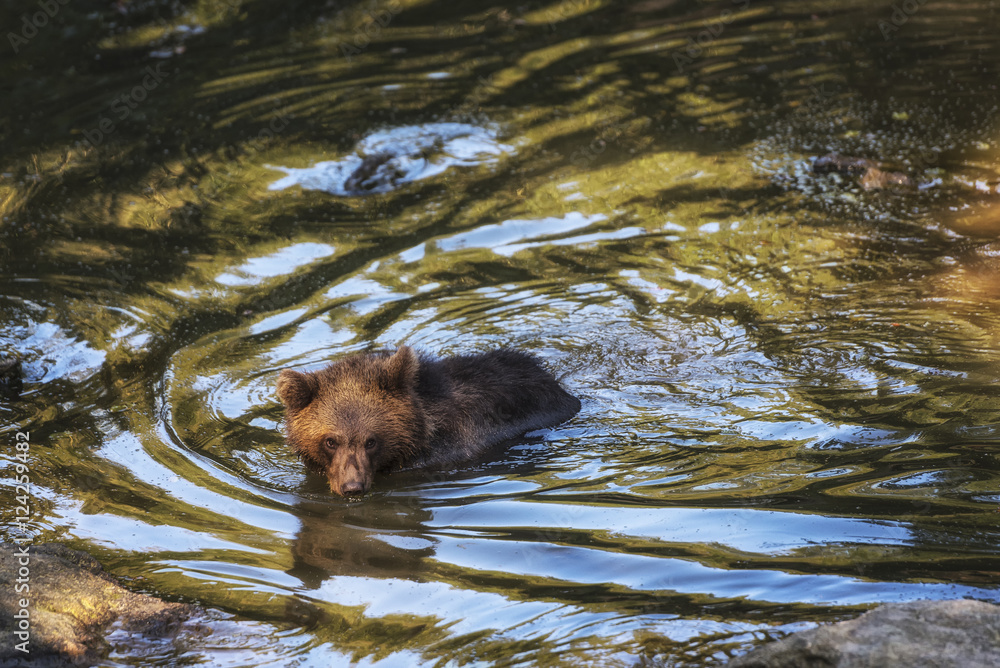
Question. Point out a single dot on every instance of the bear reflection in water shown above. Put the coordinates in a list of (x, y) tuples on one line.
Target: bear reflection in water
[(386, 537), (382, 411)]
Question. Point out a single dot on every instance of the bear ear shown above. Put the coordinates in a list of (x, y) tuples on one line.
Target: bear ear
[(402, 368), (296, 390)]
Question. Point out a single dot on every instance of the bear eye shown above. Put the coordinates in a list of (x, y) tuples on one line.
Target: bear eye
[(371, 443), (330, 443)]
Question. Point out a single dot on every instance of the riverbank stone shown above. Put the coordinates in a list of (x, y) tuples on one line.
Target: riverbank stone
[(72, 605), (930, 634)]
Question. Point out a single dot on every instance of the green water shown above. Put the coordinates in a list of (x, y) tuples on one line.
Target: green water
[(789, 383)]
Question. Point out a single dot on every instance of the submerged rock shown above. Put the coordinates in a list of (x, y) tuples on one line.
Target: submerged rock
[(868, 172), (939, 634), (842, 164), (72, 604), (390, 158), (977, 219), (10, 376)]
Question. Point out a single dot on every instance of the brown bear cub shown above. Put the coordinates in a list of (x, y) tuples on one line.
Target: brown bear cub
[(383, 410)]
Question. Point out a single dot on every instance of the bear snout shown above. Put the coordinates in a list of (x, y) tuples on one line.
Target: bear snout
[(350, 472)]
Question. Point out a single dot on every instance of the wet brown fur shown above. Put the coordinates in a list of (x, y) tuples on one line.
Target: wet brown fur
[(379, 411)]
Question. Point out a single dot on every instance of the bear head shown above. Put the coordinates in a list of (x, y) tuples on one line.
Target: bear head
[(355, 417)]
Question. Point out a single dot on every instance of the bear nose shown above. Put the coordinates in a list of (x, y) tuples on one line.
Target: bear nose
[(352, 488)]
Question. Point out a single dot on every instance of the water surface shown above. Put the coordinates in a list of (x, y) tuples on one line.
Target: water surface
[(789, 382)]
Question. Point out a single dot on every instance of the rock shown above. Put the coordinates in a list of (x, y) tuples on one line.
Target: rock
[(834, 162), (875, 178), (930, 634), (72, 604), (387, 159), (868, 172), (979, 219), (375, 173), (10, 376)]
